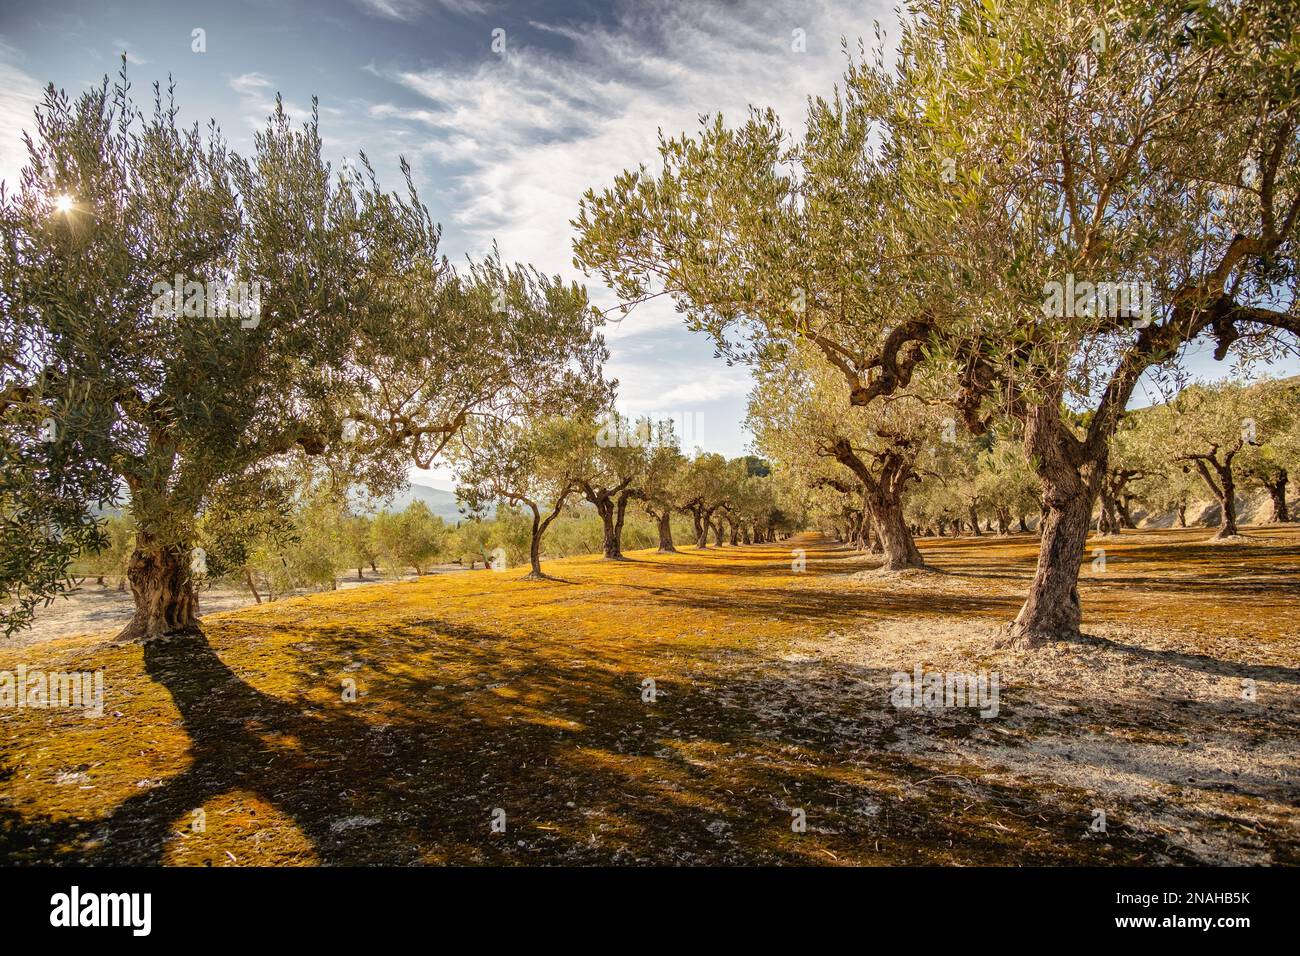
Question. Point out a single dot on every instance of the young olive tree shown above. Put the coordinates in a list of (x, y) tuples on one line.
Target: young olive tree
[(660, 482), (1209, 429), (411, 538), (1275, 453), (533, 462), (611, 471)]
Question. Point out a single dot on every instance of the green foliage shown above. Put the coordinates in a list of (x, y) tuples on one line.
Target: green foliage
[(366, 349), (411, 538)]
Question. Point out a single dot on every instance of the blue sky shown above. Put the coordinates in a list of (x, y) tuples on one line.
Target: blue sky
[(501, 144)]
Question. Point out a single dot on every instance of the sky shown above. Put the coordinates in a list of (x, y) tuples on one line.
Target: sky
[(506, 112), (502, 143)]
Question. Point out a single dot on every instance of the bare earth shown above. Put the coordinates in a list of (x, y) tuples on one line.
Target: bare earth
[(93, 607), (766, 736)]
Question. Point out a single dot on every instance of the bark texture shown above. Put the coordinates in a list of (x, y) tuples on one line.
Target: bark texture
[(163, 587)]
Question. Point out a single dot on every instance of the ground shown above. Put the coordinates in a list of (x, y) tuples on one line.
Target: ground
[(483, 699), (94, 606)]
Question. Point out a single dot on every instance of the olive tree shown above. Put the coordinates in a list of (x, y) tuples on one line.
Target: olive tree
[(189, 315), (1269, 459), (409, 538), (611, 470), (660, 485), (703, 488), (534, 462), (769, 246), (1105, 183)]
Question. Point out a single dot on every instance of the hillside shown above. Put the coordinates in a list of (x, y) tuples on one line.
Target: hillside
[(441, 503)]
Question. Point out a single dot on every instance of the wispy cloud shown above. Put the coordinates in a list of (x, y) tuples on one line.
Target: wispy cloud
[(19, 94), (408, 10), (132, 57), (527, 131), (251, 84), (533, 128)]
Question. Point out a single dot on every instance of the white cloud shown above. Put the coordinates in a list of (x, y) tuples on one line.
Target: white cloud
[(133, 58), (250, 84), (19, 95), (534, 129), (407, 10), (257, 93)]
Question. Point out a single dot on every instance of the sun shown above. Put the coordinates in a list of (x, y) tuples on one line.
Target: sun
[(63, 203)]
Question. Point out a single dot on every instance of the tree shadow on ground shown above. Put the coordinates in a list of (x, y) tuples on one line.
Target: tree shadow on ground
[(1201, 662), (455, 719), (585, 770)]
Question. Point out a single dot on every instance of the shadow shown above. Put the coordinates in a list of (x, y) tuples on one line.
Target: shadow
[(587, 772), (1201, 662), (455, 718)]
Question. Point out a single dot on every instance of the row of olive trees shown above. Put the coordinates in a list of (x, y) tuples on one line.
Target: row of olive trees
[(918, 240), (1209, 442), (310, 545), (546, 462), (323, 537), (125, 377)]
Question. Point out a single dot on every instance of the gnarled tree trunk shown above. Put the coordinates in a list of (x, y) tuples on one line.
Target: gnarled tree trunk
[(620, 513), (1106, 523), (605, 508), (1052, 610), (1124, 506), (883, 499), (1070, 483), (702, 521), (163, 586), (1277, 492), (1224, 489), (664, 521), (898, 547)]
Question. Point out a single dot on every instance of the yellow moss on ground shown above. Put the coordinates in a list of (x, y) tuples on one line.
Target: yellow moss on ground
[(482, 692)]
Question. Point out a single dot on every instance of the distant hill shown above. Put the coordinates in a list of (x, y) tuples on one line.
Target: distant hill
[(442, 503)]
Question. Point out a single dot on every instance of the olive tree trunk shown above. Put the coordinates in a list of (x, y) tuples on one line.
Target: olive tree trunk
[(540, 525), (702, 521), (896, 541), (1224, 489), (1277, 492), (665, 523), (1070, 481), (163, 587), (605, 508)]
